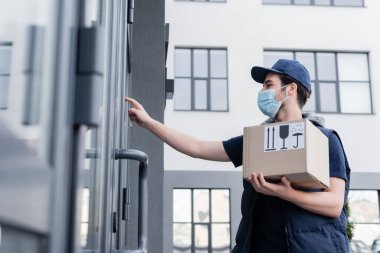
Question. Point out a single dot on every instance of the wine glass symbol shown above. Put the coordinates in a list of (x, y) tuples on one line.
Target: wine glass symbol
[(284, 133)]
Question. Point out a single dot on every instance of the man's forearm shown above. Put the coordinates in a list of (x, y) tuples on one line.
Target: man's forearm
[(189, 145), (180, 141), (328, 203)]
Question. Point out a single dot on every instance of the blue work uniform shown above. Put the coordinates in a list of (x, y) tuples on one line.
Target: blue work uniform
[(271, 224)]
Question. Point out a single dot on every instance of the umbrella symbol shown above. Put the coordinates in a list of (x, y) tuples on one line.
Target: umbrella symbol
[(297, 134)]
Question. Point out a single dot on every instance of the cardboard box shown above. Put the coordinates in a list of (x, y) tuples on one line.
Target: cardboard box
[(295, 149)]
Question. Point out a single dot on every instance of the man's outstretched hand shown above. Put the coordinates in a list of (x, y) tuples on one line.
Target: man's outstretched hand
[(137, 112)]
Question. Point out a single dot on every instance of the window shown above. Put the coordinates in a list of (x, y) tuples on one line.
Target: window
[(200, 79), (214, 1), (339, 81), (357, 3), (5, 63), (84, 216), (364, 207), (201, 221)]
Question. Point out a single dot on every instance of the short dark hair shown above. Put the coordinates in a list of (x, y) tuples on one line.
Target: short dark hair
[(302, 94)]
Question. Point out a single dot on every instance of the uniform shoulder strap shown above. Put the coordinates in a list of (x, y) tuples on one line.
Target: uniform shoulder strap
[(328, 132)]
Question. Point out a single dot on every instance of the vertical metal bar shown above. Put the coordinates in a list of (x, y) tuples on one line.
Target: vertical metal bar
[(208, 84), (337, 90), (378, 201), (316, 85), (227, 83), (192, 222), (143, 207), (93, 200), (120, 73), (230, 214), (61, 66), (82, 10), (106, 197), (209, 222), (369, 82), (192, 82), (124, 204)]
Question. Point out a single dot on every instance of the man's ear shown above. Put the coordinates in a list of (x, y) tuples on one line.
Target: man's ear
[(293, 89)]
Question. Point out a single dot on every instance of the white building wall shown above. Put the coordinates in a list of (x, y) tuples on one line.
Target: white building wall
[(248, 27)]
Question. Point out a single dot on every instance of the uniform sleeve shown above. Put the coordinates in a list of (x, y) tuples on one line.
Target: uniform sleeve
[(234, 150), (336, 158)]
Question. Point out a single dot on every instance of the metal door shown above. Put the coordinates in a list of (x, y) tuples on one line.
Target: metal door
[(36, 58), (105, 39)]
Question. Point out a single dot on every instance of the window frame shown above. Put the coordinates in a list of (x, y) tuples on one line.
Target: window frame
[(3, 74), (199, 1), (355, 223), (316, 82), (312, 3), (210, 222), (208, 79)]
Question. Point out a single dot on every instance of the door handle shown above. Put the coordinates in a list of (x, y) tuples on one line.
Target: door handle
[(137, 155), (142, 158)]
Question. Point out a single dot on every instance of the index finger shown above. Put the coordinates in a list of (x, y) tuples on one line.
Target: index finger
[(132, 101)]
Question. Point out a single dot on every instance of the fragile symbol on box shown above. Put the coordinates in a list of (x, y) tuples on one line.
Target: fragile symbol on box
[(284, 137)]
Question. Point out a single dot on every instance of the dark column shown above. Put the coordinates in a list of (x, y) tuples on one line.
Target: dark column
[(147, 86)]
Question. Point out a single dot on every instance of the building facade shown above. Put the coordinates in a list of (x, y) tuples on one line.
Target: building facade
[(213, 46)]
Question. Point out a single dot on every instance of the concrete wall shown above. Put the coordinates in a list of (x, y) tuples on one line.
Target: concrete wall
[(148, 79)]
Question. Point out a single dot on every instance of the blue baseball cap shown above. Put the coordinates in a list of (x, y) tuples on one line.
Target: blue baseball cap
[(290, 68)]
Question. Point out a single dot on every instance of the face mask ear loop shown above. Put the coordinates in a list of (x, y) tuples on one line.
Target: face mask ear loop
[(285, 95)]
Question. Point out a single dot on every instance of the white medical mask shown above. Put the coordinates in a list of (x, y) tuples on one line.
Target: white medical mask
[(267, 102)]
